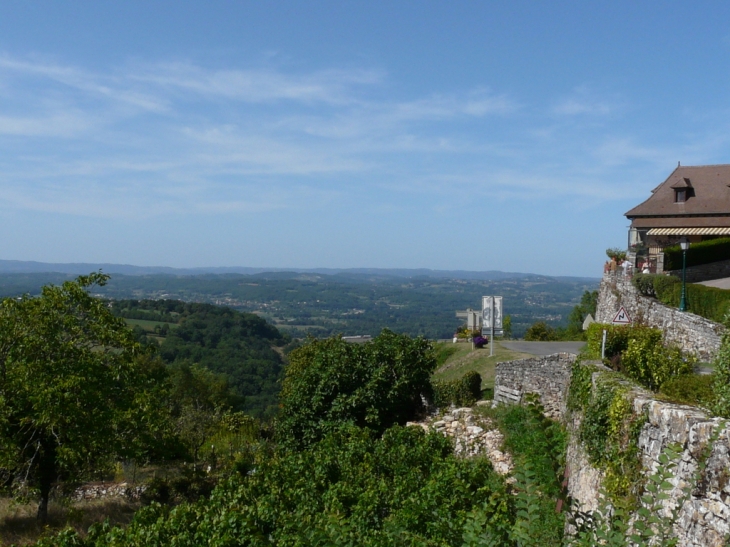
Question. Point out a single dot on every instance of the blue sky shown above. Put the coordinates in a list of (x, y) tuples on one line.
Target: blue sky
[(447, 135)]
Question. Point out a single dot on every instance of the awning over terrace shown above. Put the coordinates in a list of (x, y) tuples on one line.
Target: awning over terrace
[(689, 232)]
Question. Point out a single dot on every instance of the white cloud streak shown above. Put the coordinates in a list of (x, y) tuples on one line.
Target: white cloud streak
[(171, 138)]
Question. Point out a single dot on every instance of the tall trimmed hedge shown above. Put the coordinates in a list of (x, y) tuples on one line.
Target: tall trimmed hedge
[(704, 252), (708, 302)]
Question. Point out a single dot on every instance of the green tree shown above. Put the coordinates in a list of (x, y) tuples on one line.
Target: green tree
[(331, 382), (75, 388), (541, 332), (507, 326), (200, 401), (588, 303)]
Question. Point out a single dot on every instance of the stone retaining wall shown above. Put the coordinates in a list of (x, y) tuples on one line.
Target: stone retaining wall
[(704, 513), (548, 376), (694, 334)]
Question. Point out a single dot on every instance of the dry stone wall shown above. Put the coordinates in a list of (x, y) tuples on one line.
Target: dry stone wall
[(701, 482), (547, 376), (694, 334), (700, 485)]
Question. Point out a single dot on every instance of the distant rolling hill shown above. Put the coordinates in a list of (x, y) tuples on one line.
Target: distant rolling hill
[(79, 268)]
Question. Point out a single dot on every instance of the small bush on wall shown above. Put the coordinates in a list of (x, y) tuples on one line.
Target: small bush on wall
[(638, 352), (462, 392)]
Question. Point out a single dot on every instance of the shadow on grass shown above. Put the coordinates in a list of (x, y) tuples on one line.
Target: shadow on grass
[(18, 524)]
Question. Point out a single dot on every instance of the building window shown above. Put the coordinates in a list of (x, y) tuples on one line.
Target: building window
[(680, 195)]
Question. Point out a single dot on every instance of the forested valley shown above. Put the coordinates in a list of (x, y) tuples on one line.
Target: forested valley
[(349, 304), (151, 392)]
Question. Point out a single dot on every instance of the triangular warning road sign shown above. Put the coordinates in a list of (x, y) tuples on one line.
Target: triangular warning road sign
[(622, 317)]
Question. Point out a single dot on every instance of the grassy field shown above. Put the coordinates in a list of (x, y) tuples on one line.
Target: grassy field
[(461, 359)]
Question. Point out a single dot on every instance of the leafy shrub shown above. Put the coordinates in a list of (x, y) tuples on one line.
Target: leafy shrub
[(617, 338), (651, 364), (644, 283), (538, 446), (351, 488), (330, 383), (721, 379), (581, 384), (540, 332), (618, 254), (700, 253), (462, 392), (609, 431), (689, 389)]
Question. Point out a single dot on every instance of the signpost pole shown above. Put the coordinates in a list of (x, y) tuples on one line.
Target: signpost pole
[(491, 340)]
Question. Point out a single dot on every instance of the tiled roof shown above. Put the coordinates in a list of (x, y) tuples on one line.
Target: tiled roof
[(710, 194)]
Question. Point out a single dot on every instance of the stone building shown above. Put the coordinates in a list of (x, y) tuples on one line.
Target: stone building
[(693, 202)]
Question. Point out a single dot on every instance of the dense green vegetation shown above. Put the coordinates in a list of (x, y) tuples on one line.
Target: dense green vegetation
[(709, 302), (240, 346), (376, 385), (639, 352), (368, 485), (338, 468), (76, 391), (323, 305), (700, 253)]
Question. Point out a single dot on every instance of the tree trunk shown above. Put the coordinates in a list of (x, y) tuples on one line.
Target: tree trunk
[(47, 473)]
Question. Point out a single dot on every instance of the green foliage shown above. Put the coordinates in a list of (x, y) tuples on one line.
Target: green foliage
[(541, 332), (652, 364), (76, 390), (617, 339), (465, 391), (222, 340), (330, 383), (721, 379), (703, 252), (537, 445), (618, 254), (708, 302), (351, 488), (638, 352), (588, 303), (609, 431), (507, 326), (581, 386), (689, 389)]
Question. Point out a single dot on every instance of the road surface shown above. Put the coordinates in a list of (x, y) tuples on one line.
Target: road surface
[(543, 348)]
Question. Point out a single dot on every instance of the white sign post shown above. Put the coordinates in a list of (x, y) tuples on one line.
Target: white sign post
[(492, 318)]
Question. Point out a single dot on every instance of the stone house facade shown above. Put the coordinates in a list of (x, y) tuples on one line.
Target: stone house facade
[(693, 202)]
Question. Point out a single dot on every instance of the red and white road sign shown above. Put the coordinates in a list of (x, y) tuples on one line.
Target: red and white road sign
[(621, 317)]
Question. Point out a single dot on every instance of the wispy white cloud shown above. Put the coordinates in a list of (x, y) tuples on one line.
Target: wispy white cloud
[(584, 101), (170, 138), (260, 85)]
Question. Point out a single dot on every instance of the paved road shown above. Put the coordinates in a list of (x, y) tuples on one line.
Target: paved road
[(544, 348), (723, 283)]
